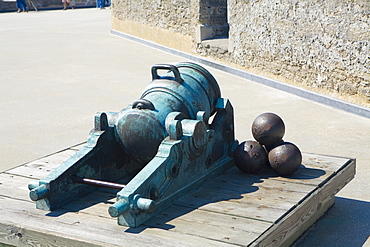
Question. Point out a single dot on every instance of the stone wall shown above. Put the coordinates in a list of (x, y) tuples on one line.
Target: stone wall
[(324, 44), (315, 43), (173, 15), (170, 22), (167, 22)]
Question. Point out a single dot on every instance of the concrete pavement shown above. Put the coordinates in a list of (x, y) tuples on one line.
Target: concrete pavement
[(58, 68)]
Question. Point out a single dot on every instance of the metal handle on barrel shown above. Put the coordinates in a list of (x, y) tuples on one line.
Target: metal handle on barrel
[(169, 67)]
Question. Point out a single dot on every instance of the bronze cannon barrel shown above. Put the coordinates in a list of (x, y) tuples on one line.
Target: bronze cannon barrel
[(184, 87)]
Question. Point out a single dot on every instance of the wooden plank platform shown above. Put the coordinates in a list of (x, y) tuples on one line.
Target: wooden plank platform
[(235, 209)]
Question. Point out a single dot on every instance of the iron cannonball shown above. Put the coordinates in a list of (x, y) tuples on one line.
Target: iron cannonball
[(270, 147), (268, 128), (250, 156), (285, 159)]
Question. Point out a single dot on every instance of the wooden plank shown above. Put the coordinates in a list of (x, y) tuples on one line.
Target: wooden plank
[(219, 227), (234, 179), (298, 220), (97, 203), (23, 224), (40, 168), (255, 197), (253, 210), (185, 220), (324, 162), (14, 186), (233, 209), (78, 146)]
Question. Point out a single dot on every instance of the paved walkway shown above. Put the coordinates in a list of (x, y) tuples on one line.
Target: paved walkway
[(58, 68)]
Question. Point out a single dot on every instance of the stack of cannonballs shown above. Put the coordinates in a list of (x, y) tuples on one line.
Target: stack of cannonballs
[(269, 148)]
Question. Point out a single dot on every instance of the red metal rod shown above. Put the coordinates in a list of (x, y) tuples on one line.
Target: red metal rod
[(98, 183)]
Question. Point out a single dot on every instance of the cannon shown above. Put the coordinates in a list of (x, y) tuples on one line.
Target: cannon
[(176, 136)]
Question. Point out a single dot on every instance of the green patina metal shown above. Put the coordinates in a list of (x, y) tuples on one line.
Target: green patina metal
[(163, 145)]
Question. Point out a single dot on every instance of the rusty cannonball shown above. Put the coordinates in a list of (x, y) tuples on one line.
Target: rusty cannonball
[(250, 156), (268, 128), (285, 159)]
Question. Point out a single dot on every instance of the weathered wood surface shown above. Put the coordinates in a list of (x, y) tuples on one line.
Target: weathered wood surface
[(233, 209)]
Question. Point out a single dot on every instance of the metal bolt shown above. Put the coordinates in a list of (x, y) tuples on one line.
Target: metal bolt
[(39, 193), (146, 205), (118, 208)]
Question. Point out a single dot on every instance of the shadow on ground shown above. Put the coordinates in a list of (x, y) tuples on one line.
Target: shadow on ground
[(349, 219)]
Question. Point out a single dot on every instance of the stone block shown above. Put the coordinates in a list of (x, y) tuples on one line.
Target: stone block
[(203, 32)]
